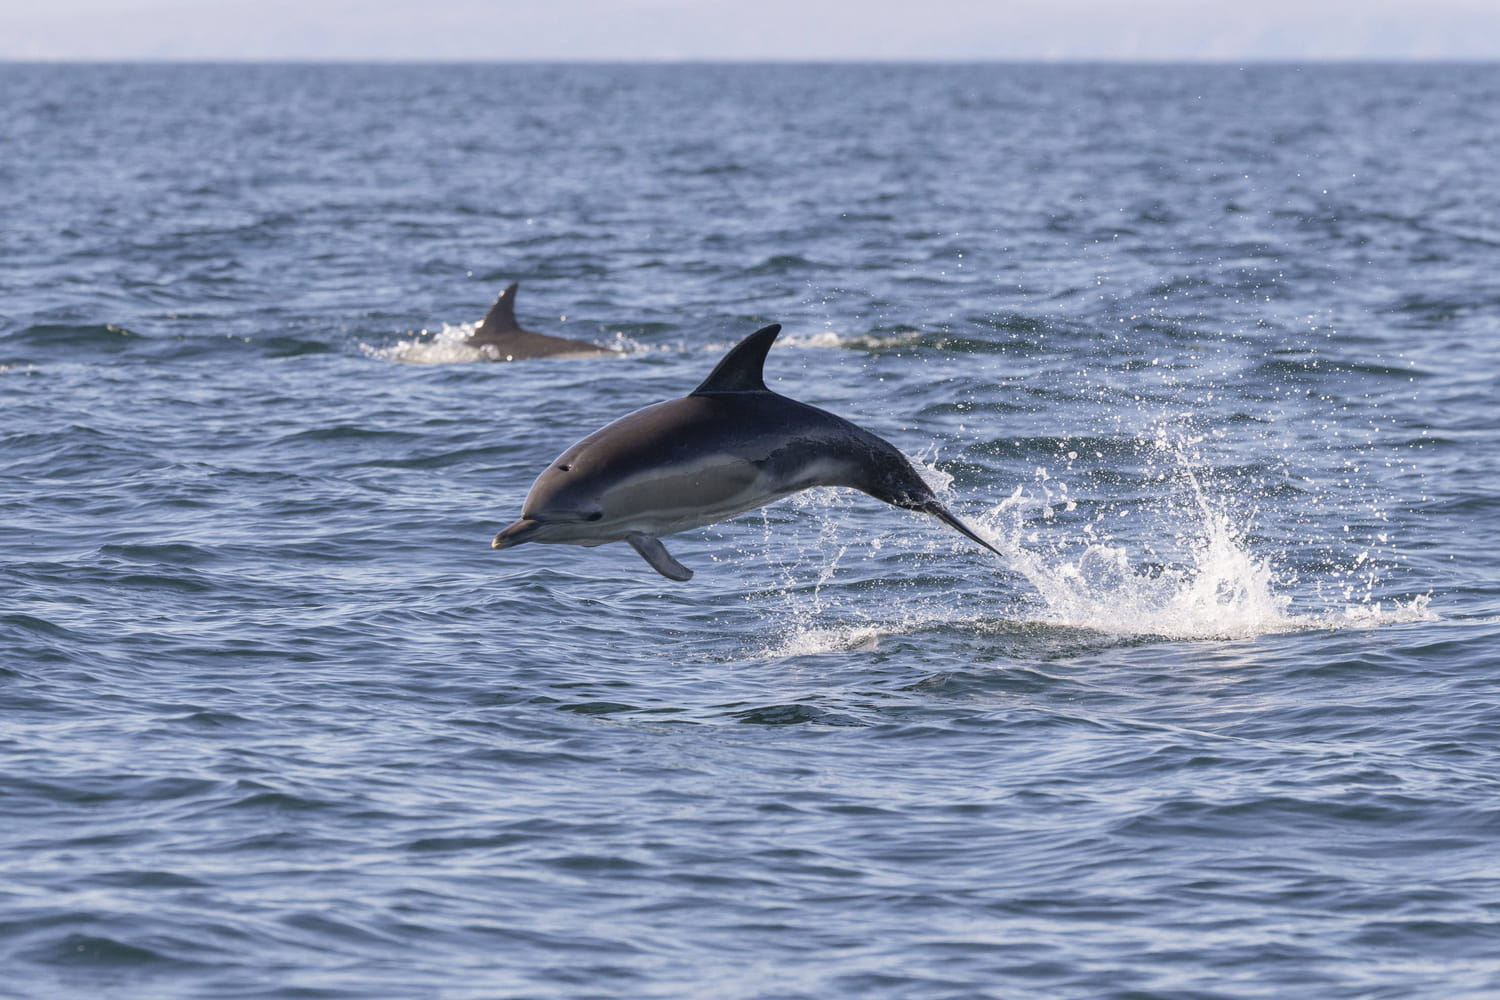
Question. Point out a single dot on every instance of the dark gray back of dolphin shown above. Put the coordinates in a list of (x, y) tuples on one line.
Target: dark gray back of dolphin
[(502, 338), (881, 470)]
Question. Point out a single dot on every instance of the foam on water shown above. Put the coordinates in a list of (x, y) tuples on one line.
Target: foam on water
[(824, 340), (446, 347), (449, 346)]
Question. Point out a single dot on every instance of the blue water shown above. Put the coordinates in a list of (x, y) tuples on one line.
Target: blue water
[(1210, 353)]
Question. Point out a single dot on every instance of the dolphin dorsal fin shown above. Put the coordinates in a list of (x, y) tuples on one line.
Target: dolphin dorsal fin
[(740, 369), (502, 315)]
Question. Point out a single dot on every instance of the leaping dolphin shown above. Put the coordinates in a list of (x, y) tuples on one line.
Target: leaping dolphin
[(729, 446), (501, 338)]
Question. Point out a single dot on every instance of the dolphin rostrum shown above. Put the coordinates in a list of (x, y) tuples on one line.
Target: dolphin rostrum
[(730, 446), (501, 338)]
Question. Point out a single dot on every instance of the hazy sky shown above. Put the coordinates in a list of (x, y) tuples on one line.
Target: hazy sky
[(755, 29)]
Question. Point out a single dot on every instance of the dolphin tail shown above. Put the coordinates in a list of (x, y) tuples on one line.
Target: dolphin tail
[(942, 513), (655, 553)]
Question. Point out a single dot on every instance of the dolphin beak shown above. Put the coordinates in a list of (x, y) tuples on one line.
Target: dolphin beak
[(517, 533)]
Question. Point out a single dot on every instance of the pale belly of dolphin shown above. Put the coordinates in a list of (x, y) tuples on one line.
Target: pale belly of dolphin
[(678, 498)]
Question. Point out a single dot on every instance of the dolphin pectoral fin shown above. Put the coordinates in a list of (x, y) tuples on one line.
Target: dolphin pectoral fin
[(942, 513), (655, 553)]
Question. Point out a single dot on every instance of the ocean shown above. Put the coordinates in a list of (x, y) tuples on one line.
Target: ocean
[(1209, 352)]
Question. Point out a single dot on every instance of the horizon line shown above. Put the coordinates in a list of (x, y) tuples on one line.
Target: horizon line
[(757, 61)]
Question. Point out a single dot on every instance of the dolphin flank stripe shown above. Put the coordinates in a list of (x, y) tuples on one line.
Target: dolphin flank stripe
[(729, 446)]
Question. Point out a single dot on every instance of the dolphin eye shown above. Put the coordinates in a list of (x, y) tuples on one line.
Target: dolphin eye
[(595, 516), (565, 468)]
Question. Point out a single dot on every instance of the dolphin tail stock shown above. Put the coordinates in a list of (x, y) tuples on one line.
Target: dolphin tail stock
[(943, 514), (655, 553), (900, 486)]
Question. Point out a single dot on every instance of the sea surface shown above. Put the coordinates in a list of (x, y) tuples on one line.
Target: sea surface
[(1211, 353)]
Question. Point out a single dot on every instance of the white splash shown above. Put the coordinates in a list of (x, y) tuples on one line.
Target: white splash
[(813, 640), (449, 346), (1221, 590), (825, 340), (446, 347), (1176, 566), (1215, 587)]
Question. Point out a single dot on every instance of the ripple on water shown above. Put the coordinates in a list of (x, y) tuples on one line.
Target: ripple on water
[(279, 723)]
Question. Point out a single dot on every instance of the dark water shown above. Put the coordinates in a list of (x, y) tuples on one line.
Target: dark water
[(1210, 352)]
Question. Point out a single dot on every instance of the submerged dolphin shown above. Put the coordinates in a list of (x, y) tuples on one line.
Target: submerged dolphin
[(501, 337), (730, 446)]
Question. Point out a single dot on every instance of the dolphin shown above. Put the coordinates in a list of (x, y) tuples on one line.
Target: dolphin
[(729, 446), (501, 338)]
